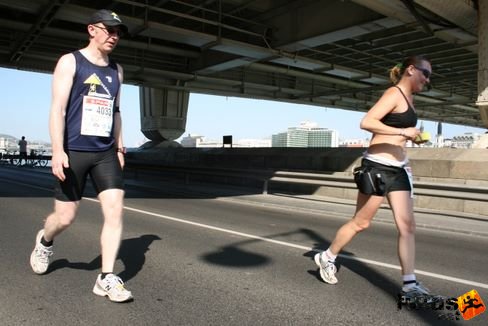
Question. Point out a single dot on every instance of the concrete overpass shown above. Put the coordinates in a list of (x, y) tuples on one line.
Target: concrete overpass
[(330, 53)]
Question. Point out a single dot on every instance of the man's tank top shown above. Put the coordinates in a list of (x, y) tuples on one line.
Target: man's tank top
[(401, 120), (94, 85)]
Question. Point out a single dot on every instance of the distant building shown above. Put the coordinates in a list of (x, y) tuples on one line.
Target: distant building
[(11, 143), (8, 143), (191, 140), (447, 142), (279, 140), (253, 143), (466, 140), (201, 142), (482, 141), (354, 143), (308, 134)]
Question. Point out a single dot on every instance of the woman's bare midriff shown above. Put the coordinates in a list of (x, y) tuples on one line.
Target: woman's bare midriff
[(389, 147)]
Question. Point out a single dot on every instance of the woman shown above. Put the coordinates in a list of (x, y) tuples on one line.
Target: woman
[(384, 172)]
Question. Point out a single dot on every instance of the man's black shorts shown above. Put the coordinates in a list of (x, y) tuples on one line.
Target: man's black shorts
[(103, 168)]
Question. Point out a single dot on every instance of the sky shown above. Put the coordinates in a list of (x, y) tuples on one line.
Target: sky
[(26, 97)]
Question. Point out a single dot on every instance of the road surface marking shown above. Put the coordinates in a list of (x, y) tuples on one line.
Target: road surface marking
[(292, 245)]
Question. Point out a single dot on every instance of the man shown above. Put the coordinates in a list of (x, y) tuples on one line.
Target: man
[(22, 150), (86, 135)]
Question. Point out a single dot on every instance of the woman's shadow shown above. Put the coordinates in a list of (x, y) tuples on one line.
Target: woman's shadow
[(131, 253)]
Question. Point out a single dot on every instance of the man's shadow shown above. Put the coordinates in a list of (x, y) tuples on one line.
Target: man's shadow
[(131, 253)]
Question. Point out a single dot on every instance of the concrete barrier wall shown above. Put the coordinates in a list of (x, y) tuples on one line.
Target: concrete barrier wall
[(455, 165), (442, 163), (442, 166), (288, 159)]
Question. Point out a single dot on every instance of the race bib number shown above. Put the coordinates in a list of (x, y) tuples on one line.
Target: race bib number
[(97, 116)]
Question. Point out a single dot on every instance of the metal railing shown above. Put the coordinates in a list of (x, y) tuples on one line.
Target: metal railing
[(33, 159)]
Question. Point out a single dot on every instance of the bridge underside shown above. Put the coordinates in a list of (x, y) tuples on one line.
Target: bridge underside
[(330, 53)]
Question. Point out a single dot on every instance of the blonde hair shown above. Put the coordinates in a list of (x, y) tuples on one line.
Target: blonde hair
[(398, 70)]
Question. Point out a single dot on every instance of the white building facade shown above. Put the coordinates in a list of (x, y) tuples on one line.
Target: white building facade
[(308, 134)]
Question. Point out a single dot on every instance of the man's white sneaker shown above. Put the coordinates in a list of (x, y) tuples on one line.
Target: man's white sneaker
[(39, 258), (113, 287), (327, 269)]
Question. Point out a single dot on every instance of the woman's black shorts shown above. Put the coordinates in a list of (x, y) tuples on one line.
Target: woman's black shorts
[(103, 168), (373, 178)]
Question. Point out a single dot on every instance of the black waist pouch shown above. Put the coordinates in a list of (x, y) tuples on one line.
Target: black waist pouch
[(369, 181)]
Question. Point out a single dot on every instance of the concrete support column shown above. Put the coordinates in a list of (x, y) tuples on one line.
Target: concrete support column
[(163, 113), (482, 101)]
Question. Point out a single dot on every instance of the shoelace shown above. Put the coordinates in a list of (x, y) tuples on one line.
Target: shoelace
[(113, 281), (325, 264), (331, 267), (43, 254)]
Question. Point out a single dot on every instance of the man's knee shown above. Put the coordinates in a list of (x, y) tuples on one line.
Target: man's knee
[(65, 213), (65, 219), (112, 200)]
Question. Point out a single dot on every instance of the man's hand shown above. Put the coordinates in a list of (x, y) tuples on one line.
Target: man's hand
[(121, 157), (59, 162)]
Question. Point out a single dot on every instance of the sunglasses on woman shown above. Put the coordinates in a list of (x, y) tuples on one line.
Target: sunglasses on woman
[(424, 71)]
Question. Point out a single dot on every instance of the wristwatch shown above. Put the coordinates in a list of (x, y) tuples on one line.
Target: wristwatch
[(122, 150)]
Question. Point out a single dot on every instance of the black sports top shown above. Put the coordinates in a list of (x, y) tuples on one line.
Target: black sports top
[(93, 84), (401, 120)]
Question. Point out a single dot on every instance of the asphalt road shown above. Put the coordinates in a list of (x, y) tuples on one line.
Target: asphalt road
[(195, 255)]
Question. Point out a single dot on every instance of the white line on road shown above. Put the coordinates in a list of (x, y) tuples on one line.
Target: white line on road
[(292, 245)]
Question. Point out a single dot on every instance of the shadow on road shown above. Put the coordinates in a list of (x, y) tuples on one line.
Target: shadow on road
[(234, 255), (380, 281), (132, 253)]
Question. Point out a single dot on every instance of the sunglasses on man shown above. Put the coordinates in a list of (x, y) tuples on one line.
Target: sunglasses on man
[(110, 30)]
